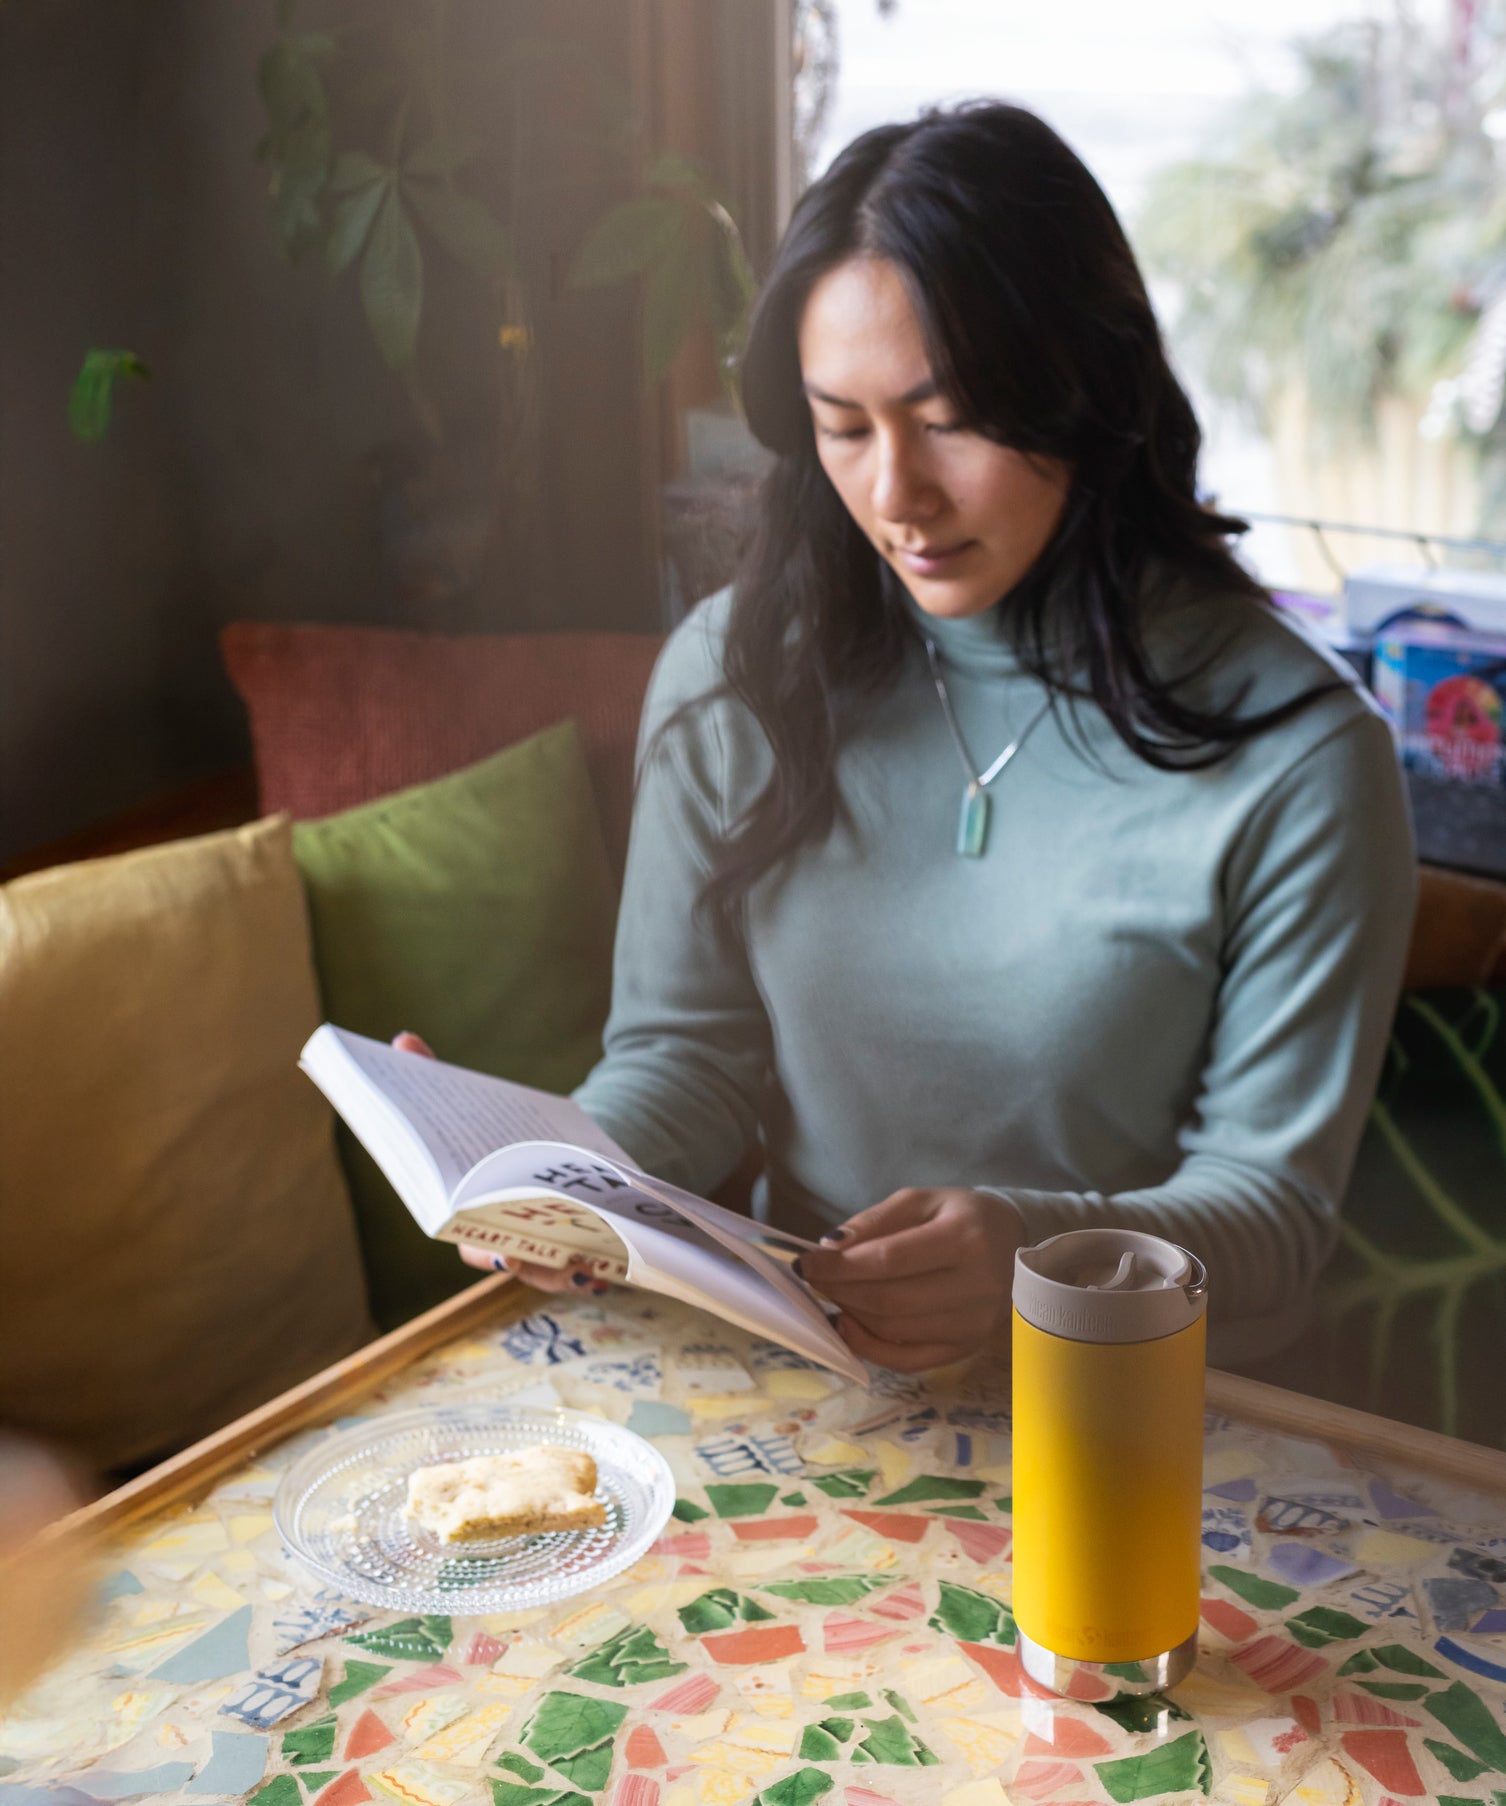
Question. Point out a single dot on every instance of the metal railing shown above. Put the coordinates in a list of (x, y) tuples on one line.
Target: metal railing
[(1320, 530)]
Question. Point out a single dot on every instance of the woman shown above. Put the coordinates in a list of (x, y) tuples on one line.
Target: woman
[(999, 857)]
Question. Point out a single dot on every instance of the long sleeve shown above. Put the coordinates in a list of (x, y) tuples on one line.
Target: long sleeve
[(1318, 892), (687, 1045)]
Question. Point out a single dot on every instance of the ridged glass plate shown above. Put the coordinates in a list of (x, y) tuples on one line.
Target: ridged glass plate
[(339, 1509)]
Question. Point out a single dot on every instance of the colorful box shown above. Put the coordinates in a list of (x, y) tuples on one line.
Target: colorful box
[(1377, 596), (1444, 693)]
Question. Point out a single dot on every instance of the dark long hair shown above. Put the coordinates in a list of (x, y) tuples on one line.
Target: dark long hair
[(1041, 335)]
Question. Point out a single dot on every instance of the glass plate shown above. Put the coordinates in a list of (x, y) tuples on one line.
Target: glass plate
[(340, 1510)]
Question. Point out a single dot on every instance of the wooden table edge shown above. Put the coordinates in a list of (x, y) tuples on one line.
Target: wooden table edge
[(1319, 1420), (496, 1299), (501, 1299)]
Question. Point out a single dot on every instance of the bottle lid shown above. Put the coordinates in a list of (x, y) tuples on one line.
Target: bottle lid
[(1109, 1285)]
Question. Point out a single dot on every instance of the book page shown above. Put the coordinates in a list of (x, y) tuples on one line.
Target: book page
[(713, 1280), (533, 1183), (668, 1252), (462, 1116)]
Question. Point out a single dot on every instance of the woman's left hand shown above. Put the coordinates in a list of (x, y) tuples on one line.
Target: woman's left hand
[(923, 1278)]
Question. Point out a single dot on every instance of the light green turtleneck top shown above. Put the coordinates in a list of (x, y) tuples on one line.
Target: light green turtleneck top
[(1159, 1000)]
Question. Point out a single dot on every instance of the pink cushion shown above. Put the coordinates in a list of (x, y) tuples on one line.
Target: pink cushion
[(340, 715)]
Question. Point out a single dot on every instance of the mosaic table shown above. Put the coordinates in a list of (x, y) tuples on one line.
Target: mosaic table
[(826, 1618)]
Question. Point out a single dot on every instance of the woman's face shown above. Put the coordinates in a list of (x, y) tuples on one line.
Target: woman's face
[(960, 517)]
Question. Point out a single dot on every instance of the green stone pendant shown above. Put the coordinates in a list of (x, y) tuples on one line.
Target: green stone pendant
[(972, 822)]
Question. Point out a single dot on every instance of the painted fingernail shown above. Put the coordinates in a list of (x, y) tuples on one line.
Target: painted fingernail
[(833, 1236), (580, 1278), (499, 1261)]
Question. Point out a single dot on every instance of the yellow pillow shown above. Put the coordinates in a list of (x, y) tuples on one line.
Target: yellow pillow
[(176, 1239)]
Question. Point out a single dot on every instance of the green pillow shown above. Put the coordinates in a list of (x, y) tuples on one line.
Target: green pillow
[(1410, 1312), (477, 911)]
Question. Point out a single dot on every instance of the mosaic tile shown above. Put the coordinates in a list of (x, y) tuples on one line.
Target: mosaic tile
[(840, 1632), (236, 1764), (358, 1677), (1489, 1665), (653, 1417), (1226, 1531), (134, 1784), (220, 1651)]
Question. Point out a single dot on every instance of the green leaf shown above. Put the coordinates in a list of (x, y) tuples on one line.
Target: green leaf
[(465, 228), (673, 169), (900, 1704), (355, 169), (296, 220), (688, 1512), (1420, 1276), (673, 299), (1395, 1689), (626, 242), (351, 222), (93, 392), (520, 1765), (392, 282), (851, 1701), (291, 87), (443, 157), (973, 1617)]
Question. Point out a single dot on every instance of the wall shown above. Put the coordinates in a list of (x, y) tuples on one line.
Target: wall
[(247, 477)]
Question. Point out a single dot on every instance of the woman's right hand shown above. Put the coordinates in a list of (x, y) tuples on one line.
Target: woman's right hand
[(543, 1279)]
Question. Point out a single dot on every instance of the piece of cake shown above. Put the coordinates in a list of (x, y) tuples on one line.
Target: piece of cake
[(514, 1494)]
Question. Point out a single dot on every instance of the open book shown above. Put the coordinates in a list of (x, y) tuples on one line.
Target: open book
[(520, 1172)]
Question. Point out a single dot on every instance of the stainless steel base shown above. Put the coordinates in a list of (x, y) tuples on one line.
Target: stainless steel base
[(1151, 1675)]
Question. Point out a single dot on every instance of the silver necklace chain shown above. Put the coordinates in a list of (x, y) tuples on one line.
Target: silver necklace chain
[(981, 778)]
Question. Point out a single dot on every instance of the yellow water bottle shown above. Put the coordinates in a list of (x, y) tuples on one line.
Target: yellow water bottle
[(1109, 1353)]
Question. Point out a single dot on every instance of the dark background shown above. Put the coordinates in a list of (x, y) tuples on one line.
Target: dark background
[(270, 467)]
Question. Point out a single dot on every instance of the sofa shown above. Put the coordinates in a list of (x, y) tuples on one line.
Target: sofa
[(431, 838)]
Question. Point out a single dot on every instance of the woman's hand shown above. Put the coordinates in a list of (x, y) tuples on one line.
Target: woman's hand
[(923, 1278), (544, 1279)]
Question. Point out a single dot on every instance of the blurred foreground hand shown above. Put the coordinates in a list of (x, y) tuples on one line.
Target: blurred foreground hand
[(45, 1581)]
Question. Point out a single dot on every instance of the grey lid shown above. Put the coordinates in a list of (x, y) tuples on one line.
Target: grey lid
[(1109, 1285)]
